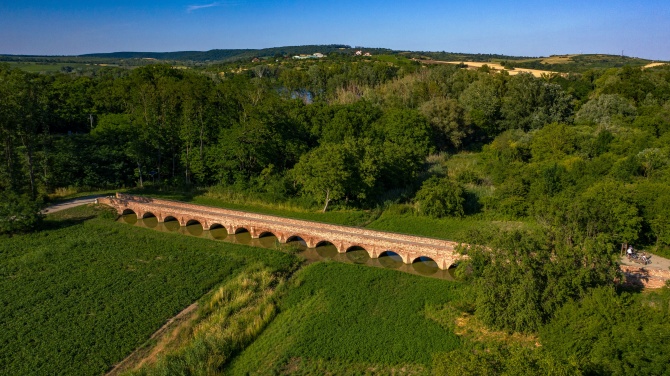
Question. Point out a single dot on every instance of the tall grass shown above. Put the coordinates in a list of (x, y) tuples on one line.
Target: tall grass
[(233, 317)]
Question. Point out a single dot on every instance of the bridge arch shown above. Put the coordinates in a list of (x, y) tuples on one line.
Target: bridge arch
[(326, 249), (194, 227), (425, 265), (218, 231), (391, 259), (296, 238), (324, 243), (266, 234), (424, 259), (171, 223), (240, 230), (128, 212), (358, 254), (148, 215)]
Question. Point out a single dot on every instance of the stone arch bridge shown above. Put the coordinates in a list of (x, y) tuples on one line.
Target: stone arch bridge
[(410, 248)]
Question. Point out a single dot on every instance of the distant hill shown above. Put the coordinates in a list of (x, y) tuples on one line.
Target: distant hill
[(556, 63), (236, 54)]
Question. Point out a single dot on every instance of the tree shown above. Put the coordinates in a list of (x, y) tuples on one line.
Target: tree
[(553, 142), (482, 102), (18, 213), (606, 333), (522, 278), (324, 173), (606, 110), (440, 198), (530, 103), (448, 120)]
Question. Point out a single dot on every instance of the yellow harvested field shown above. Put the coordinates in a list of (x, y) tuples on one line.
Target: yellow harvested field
[(498, 67), (654, 65), (563, 59)]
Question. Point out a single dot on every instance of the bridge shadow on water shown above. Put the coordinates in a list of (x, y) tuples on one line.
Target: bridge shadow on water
[(324, 251)]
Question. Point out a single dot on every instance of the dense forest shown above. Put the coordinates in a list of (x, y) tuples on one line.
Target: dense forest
[(583, 157)]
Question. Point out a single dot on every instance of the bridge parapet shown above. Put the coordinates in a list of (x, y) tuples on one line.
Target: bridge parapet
[(408, 247)]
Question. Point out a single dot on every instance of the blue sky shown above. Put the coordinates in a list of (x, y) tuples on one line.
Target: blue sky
[(529, 28)]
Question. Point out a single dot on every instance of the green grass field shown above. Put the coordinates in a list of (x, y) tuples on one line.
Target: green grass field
[(351, 319), (80, 295)]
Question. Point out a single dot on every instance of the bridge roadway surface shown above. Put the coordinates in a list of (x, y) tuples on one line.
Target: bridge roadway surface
[(409, 248)]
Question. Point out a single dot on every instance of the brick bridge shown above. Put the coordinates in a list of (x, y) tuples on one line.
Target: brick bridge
[(410, 248)]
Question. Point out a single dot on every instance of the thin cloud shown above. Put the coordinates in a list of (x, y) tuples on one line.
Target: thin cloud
[(191, 8)]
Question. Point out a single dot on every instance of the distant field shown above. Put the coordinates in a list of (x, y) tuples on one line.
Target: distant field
[(349, 319), (515, 71), (81, 295)]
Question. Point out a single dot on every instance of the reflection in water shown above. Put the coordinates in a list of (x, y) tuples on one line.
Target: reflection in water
[(218, 233), (150, 222), (327, 251), (298, 244), (172, 225), (423, 266), (391, 260), (129, 218), (194, 229), (358, 255)]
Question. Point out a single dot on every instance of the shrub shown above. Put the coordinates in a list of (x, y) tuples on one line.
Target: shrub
[(18, 213), (440, 198)]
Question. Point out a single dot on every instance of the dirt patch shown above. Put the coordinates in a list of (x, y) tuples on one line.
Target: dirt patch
[(163, 338)]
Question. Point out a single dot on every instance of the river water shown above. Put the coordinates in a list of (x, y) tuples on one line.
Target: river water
[(388, 260)]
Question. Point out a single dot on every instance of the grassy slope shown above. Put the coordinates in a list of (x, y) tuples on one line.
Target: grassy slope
[(342, 319), (81, 295)]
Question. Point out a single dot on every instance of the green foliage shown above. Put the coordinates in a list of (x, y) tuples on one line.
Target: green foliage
[(325, 173), (610, 334), (496, 359), (18, 213), (553, 142), (440, 198), (84, 293), (522, 278), (606, 109), (329, 321)]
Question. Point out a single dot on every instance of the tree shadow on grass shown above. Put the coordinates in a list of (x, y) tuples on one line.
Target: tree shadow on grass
[(51, 224)]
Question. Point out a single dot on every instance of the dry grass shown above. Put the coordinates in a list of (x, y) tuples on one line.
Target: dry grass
[(468, 326), (562, 59), (497, 67), (230, 319), (651, 65)]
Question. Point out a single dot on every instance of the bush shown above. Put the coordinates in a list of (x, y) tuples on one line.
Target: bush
[(440, 198), (18, 213)]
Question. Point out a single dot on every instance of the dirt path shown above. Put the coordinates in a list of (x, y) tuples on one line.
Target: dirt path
[(163, 337), (657, 263), (70, 204)]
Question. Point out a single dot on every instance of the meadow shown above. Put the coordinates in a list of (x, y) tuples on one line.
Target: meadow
[(350, 319), (84, 292)]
